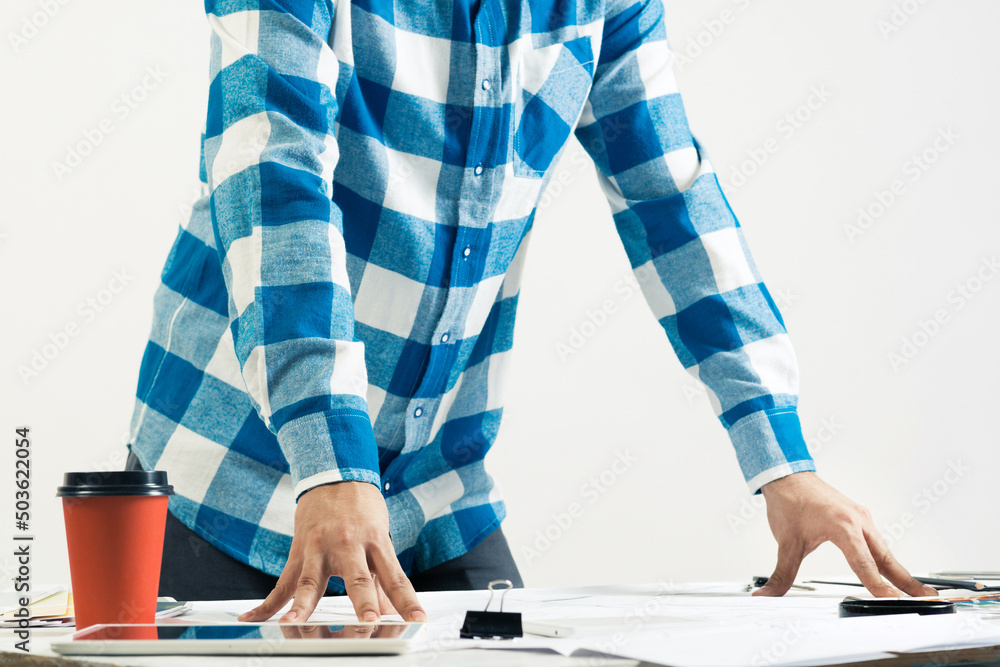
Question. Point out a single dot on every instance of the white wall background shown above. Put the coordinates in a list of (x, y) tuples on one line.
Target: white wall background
[(680, 511)]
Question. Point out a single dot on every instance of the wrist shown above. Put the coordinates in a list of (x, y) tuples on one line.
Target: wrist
[(328, 481), (788, 482)]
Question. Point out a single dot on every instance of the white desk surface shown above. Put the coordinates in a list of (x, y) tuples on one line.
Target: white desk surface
[(668, 624)]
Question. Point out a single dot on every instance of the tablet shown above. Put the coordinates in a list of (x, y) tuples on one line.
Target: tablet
[(260, 639)]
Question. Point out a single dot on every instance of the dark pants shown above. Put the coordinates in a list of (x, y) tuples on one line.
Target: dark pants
[(193, 569)]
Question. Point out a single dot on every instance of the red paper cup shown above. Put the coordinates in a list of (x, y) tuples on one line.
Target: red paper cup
[(114, 533)]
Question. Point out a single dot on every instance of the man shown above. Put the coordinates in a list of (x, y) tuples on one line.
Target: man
[(332, 332)]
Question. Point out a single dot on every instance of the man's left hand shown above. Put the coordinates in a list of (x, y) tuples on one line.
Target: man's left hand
[(804, 512)]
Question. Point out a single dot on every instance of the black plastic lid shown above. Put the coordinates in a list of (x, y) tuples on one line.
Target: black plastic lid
[(852, 606), (115, 483)]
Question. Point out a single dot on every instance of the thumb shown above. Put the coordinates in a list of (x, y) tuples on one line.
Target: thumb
[(789, 559)]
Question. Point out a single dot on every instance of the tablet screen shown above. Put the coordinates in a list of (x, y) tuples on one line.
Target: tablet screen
[(290, 631)]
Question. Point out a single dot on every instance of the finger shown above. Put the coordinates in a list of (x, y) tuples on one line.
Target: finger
[(789, 559), (360, 588), (277, 598), (308, 590), (396, 585), (891, 568), (311, 631), (384, 605), (364, 631), (390, 630), (860, 559)]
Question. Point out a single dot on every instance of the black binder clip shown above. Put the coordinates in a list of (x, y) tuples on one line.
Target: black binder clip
[(488, 624)]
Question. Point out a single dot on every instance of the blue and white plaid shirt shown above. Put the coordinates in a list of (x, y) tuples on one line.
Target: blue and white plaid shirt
[(340, 304)]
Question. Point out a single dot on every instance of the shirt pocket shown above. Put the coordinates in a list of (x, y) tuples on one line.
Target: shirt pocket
[(552, 86)]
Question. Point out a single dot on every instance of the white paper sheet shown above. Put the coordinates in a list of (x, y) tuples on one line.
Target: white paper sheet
[(671, 624)]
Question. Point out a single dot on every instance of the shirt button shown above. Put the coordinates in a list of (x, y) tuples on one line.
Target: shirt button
[(486, 84), (478, 170), (444, 338), (466, 251), (418, 412), (387, 486)]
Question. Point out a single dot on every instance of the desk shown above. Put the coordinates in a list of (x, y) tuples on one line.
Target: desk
[(675, 624)]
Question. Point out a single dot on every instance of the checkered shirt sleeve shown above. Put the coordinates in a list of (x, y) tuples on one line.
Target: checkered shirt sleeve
[(270, 154), (687, 250)]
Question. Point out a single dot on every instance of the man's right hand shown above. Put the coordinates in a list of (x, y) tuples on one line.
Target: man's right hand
[(341, 530)]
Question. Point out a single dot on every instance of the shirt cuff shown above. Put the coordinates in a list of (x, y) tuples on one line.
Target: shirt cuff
[(769, 445), (326, 447)]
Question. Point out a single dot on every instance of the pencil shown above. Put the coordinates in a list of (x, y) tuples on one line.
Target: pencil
[(964, 584)]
